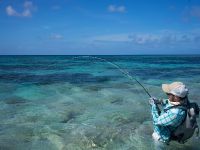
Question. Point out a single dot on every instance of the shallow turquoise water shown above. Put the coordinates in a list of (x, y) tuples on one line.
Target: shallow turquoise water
[(70, 102)]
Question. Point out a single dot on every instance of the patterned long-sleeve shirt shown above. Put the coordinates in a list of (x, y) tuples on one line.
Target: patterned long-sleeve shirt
[(166, 121)]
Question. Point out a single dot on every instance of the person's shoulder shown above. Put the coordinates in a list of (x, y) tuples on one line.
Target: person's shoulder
[(177, 110)]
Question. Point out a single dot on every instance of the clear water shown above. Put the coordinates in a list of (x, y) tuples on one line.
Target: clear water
[(63, 102)]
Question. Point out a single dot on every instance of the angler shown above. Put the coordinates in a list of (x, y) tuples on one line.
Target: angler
[(174, 118)]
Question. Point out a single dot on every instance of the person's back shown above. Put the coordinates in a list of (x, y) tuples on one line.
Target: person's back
[(187, 128)]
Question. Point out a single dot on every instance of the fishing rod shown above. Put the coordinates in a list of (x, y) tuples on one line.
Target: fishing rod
[(126, 73), (121, 70)]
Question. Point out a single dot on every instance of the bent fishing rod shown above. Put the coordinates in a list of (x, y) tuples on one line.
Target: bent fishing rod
[(121, 70)]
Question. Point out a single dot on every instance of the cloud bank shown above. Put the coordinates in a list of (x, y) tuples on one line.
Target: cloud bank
[(157, 40), (116, 9)]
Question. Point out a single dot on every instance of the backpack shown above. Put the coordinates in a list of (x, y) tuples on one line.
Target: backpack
[(187, 128)]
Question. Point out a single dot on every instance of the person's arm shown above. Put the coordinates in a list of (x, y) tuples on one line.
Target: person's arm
[(155, 111), (171, 117)]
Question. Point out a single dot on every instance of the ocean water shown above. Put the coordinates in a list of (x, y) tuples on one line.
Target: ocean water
[(86, 103)]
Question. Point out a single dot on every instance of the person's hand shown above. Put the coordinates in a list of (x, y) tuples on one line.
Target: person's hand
[(154, 100), (151, 101)]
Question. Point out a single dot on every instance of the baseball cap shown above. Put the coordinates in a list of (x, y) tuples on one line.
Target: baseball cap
[(175, 88)]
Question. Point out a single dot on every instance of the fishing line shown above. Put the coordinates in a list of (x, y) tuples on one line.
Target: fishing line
[(126, 73)]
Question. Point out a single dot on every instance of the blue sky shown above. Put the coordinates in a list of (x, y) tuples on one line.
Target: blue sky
[(99, 27)]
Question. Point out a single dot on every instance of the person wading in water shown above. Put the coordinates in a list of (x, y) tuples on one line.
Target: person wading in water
[(171, 113)]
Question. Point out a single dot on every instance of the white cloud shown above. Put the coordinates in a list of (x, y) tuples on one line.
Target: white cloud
[(27, 12), (11, 11), (28, 5), (191, 12), (144, 38), (114, 8), (159, 39), (56, 36), (195, 11), (112, 38), (132, 38)]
